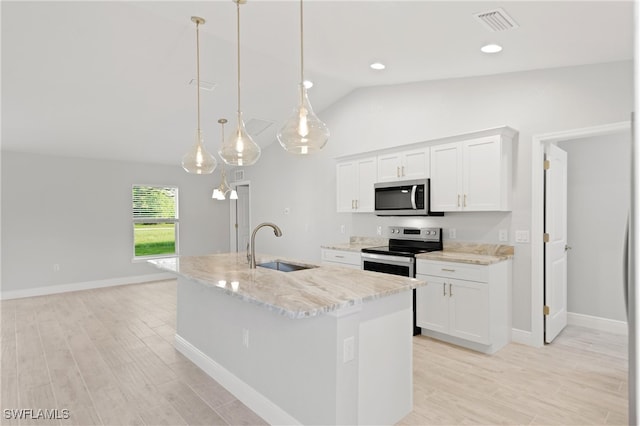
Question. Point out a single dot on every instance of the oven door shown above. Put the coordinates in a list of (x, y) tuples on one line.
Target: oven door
[(395, 265)]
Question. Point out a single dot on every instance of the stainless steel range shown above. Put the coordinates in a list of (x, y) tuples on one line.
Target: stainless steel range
[(399, 257)]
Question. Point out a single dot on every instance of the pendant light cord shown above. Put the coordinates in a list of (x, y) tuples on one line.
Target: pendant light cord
[(301, 46), (238, 27), (198, 68)]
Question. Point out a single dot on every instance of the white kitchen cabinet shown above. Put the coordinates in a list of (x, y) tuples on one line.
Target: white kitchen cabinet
[(472, 175), (346, 258), (465, 304), (403, 165), (354, 184)]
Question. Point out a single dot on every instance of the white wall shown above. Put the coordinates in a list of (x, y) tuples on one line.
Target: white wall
[(599, 176), (533, 103), (77, 213)]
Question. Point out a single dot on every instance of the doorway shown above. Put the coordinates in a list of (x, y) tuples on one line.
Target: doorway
[(537, 207), (240, 218)]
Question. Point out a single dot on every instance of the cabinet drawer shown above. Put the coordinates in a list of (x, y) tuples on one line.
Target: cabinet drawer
[(461, 271), (339, 256)]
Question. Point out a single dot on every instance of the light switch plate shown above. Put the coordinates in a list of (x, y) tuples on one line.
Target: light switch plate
[(503, 235), (522, 236), (452, 233)]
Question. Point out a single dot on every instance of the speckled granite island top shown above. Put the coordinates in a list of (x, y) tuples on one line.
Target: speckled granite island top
[(298, 294)]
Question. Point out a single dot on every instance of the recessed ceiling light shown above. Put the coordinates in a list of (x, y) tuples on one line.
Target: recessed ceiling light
[(377, 66), (491, 48), (308, 84)]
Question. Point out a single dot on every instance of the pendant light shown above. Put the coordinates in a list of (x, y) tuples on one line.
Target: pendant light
[(303, 133), (198, 160), (240, 149), (220, 192)]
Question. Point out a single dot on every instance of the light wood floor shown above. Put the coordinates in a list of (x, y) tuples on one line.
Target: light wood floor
[(106, 355)]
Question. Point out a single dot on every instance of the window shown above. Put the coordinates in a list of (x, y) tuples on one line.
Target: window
[(155, 221)]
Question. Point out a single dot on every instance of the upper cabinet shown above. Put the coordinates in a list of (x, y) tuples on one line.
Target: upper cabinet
[(403, 165), (473, 174), (468, 172), (354, 184)]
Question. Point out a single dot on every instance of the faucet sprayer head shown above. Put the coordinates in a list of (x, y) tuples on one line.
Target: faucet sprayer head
[(277, 232)]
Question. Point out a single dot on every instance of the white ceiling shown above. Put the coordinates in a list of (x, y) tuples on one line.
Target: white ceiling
[(111, 79)]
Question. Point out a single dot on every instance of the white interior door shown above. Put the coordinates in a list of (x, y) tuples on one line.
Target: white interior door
[(243, 214), (555, 252)]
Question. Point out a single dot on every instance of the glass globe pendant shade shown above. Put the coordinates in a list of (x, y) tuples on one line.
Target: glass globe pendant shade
[(303, 133), (240, 149), (198, 160)]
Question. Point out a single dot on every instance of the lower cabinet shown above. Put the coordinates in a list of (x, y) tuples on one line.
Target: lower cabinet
[(346, 258), (465, 304)]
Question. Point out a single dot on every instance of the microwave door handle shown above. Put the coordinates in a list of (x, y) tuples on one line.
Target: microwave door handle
[(413, 196)]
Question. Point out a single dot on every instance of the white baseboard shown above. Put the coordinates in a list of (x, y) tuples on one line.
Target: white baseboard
[(522, 337), (250, 397), (597, 323), (87, 285)]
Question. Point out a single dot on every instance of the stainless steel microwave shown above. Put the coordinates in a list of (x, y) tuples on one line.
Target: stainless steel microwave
[(403, 198)]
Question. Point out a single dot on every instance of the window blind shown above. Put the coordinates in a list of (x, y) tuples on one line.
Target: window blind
[(155, 203)]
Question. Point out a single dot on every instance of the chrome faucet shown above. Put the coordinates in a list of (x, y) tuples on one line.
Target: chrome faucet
[(252, 247)]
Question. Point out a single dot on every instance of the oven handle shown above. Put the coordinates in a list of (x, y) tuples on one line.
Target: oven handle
[(413, 196), (393, 260)]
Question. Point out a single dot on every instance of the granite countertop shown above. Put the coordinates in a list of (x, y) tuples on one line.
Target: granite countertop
[(474, 253), (357, 244), (299, 294)]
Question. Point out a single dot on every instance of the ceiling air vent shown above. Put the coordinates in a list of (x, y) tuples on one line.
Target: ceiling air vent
[(496, 20)]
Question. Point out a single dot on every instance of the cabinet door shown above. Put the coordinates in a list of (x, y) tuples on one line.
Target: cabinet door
[(446, 177), (482, 174), (389, 167), (346, 186), (367, 176), (432, 304), (469, 310), (415, 164)]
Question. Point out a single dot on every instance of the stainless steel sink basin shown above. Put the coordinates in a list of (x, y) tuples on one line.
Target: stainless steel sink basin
[(281, 265)]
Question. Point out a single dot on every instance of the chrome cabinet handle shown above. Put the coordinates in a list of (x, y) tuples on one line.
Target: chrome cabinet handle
[(458, 200), (402, 170), (448, 270), (398, 171), (338, 256), (464, 204), (444, 289), (450, 292)]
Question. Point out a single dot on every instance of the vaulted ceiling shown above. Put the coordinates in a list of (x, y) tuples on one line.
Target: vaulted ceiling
[(111, 79)]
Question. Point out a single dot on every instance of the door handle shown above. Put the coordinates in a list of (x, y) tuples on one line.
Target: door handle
[(458, 200), (450, 292), (444, 289), (413, 196), (398, 171)]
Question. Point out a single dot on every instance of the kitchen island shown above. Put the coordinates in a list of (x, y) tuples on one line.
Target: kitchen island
[(324, 345)]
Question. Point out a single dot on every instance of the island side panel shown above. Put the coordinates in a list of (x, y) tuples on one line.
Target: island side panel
[(291, 362), (299, 365)]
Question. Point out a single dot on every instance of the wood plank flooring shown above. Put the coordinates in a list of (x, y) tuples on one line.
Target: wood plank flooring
[(107, 356)]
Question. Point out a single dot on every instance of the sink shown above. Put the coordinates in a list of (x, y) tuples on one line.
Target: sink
[(281, 265)]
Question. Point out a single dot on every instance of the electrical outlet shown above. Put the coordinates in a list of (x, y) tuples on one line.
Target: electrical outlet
[(56, 267), (452, 233), (379, 230), (503, 235), (348, 349), (342, 229), (245, 337)]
